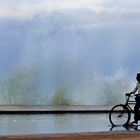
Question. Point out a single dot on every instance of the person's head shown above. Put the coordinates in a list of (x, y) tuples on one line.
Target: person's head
[(138, 77)]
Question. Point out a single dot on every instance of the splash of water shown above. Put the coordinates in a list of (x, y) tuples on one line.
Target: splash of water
[(26, 87), (50, 53)]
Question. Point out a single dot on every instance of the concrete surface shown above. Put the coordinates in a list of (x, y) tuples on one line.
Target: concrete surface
[(5, 109), (79, 136)]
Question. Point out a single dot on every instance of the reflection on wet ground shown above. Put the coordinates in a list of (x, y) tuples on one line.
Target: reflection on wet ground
[(56, 123), (124, 128)]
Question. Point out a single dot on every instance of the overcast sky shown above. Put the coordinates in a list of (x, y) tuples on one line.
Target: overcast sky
[(101, 30), (88, 47)]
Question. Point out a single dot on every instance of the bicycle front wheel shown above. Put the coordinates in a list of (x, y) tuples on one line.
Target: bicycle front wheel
[(119, 115)]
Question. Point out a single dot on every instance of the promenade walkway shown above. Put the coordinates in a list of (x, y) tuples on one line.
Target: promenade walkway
[(114, 135), (78, 136)]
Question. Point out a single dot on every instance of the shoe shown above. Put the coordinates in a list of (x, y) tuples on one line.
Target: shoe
[(134, 123)]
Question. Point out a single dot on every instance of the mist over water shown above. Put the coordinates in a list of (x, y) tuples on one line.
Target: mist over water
[(26, 88), (52, 60)]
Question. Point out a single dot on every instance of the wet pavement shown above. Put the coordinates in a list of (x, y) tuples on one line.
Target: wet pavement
[(56, 123)]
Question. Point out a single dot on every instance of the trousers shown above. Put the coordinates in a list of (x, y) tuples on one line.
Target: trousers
[(136, 108)]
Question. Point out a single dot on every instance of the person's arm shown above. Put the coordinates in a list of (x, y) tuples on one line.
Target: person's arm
[(135, 89)]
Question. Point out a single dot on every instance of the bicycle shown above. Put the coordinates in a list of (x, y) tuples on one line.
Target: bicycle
[(121, 114)]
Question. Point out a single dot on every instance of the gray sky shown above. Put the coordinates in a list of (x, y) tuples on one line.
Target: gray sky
[(102, 26), (77, 44), (28, 8)]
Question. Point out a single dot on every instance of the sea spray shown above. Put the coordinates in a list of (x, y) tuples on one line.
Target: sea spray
[(104, 90), (60, 50), (26, 88)]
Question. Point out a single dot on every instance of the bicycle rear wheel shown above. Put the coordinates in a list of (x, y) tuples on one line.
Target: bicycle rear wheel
[(119, 115)]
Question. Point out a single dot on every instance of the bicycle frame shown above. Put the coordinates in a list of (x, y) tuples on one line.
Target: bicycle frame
[(120, 110), (128, 102)]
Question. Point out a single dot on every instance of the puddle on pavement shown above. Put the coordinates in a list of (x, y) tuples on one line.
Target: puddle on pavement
[(51, 123)]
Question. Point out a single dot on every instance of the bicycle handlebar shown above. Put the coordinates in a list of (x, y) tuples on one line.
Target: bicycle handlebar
[(129, 94)]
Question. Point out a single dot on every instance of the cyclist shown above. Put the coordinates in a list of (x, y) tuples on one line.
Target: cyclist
[(136, 92)]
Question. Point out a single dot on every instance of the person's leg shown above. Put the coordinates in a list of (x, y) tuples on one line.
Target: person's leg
[(138, 104), (136, 109)]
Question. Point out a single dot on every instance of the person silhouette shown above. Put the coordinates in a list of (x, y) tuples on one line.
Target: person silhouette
[(136, 92)]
